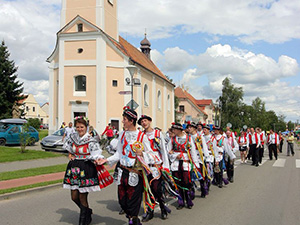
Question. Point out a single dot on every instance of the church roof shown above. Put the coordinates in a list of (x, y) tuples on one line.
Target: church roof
[(183, 94)]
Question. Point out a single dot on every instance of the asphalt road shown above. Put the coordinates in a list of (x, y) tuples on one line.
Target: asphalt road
[(266, 195)]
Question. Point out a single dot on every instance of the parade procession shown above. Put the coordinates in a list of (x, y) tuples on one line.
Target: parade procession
[(152, 166)]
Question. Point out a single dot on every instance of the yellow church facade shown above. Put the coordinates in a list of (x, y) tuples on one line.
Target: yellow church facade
[(91, 70)]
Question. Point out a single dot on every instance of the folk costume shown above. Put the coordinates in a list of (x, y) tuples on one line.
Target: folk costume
[(233, 146), (184, 161), (211, 144), (222, 148), (202, 153), (261, 148), (273, 142), (132, 181), (81, 173), (158, 163), (253, 145)]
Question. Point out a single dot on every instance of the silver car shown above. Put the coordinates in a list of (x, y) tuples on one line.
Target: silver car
[(54, 141)]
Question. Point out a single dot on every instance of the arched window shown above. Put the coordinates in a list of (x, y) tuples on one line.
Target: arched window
[(169, 103), (146, 95), (158, 99), (80, 83)]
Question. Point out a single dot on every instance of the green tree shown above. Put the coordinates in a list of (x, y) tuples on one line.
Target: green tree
[(231, 104), (34, 122), (176, 105), (10, 88)]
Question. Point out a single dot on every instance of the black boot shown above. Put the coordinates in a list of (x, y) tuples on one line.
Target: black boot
[(89, 216), (148, 216), (82, 217), (136, 220)]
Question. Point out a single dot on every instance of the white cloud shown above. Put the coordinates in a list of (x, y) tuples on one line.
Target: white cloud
[(249, 20), (258, 75)]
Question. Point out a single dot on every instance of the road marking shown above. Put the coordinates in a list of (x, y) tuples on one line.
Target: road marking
[(263, 161), (297, 163), (279, 163)]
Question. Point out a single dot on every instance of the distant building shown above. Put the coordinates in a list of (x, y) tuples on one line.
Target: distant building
[(188, 109), (89, 70), (207, 105), (32, 109)]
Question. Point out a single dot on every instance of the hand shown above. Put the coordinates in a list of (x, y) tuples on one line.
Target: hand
[(178, 157), (100, 161), (139, 152), (71, 157)]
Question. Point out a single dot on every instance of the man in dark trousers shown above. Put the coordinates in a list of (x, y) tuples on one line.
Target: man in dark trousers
[(273, 142), (253, 146)]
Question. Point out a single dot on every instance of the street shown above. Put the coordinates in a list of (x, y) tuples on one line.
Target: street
[(268, 194)]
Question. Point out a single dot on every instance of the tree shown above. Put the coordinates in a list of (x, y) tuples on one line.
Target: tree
[(34, 122), (10, 88), (231, 103)]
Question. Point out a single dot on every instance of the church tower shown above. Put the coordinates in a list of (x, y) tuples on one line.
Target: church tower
[(101, 13)]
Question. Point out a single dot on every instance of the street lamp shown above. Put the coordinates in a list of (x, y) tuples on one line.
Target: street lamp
[(132, 69)]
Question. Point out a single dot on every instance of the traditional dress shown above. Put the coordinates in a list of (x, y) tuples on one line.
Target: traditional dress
[(202, 153), (130, 178), (253, 144), (158, 162), (211, 144), (261, 148), (233, 146), (184, 147), (81, 173)]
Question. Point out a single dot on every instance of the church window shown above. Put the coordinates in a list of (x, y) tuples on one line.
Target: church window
[(146, 95), (159, 100), (115, 83), (80, 83), (80, 27), (169, 103)]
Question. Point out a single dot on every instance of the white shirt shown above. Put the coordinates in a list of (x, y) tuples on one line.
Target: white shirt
[(123, 156), (204, 146), (68, 131)]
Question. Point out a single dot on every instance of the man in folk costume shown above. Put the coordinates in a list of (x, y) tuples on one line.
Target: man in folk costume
[(232, 143), (273, 142), (184, 160), (133, 151), (202, 153), (231, 133), (210, 142), (221, 148), (253, 145), (158, 161), (262, 144)]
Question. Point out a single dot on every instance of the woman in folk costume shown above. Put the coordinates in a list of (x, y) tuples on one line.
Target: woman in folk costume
[(158, 163), (132, 151), (202, 153), (211, 144), (184, 159), (233, 148), (243, 143), (81, 174), (221, 148)]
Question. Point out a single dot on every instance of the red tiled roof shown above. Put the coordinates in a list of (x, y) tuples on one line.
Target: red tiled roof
[(204, 102), (137, 56), (22, 100), (180, 93)]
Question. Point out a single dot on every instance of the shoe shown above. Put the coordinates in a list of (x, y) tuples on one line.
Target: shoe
[(231, 180), (179, 207), (89, 216), (121, 212), (293, 154), (164, 214), (252, 164), (135, 221), (189, 206), (202, 196), (287, 155), (148, 216), (256, 165), (83, 213), (220, 185)]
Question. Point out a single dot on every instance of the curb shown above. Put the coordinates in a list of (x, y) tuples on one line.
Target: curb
[(16, 194)]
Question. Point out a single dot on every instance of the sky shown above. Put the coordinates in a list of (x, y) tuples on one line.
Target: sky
[(197, 43)]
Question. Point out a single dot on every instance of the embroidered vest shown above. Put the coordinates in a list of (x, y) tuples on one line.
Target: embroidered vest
[(81, 151), (130, 154)]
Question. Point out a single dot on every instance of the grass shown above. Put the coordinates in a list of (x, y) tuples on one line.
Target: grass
[(32, 172), (10, 154), (43, 133), (42, 184)]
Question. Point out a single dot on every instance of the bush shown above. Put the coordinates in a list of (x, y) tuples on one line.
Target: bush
[(34, 122)]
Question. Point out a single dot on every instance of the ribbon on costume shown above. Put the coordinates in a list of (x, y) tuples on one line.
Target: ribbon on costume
[(198, 142)]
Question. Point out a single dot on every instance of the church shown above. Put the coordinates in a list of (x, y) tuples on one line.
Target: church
[(94, 72)]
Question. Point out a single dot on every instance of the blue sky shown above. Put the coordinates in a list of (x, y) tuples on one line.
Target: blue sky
[(197, 43)]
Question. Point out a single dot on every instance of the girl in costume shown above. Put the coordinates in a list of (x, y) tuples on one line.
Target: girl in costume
[(81, 174)]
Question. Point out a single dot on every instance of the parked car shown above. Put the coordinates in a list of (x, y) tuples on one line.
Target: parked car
[(10, 134), (53, 141), (13, 121)]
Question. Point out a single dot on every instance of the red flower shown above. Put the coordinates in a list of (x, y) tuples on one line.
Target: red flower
[(125, 107), (173, 123)]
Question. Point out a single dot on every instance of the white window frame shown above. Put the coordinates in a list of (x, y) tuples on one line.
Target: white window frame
[(159, 100), (146, 95), (79, 93)]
